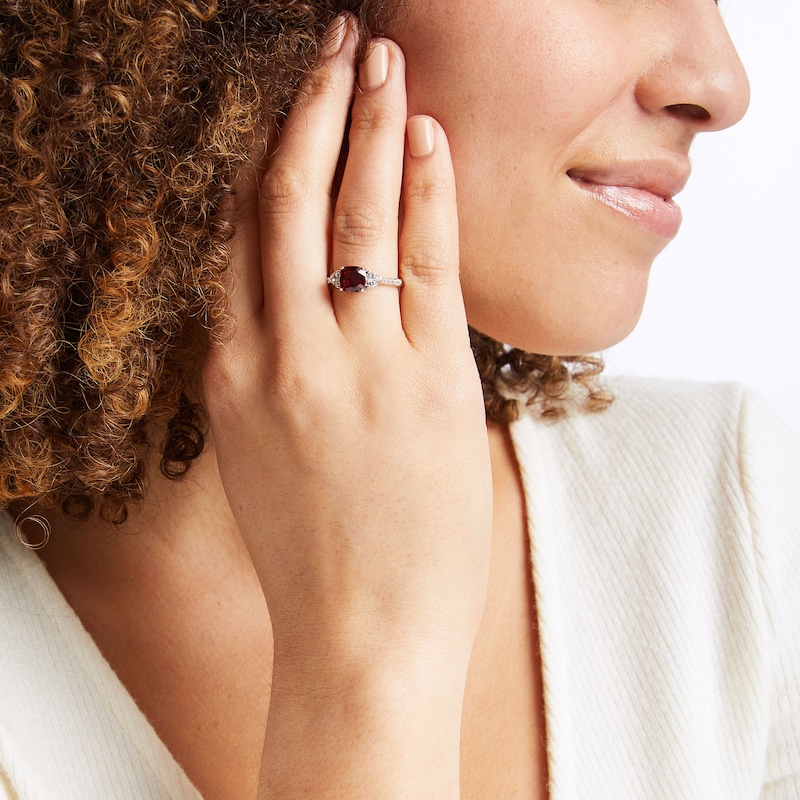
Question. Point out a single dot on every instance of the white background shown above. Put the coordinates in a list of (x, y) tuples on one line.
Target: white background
[(724, 299)]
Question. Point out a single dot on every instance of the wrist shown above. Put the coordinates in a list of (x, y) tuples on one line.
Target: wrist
[(376, 676), (316, 664), (365, 733)]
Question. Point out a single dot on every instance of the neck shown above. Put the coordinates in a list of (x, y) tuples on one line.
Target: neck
[(181, 519)]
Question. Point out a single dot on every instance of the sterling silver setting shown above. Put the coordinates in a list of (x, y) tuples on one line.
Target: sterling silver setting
[(357, 279)]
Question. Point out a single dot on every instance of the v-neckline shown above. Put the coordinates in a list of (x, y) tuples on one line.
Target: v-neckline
[(100, 673), (45, 599)]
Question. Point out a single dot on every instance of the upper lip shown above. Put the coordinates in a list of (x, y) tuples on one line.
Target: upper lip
[(662, 178)]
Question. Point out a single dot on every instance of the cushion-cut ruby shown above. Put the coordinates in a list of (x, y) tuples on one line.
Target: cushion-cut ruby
[(352, 279)]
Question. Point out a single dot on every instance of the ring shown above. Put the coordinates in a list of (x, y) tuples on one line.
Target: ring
[(356, 279)]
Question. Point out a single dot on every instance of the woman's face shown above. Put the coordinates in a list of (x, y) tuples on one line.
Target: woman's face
[(570, 123)]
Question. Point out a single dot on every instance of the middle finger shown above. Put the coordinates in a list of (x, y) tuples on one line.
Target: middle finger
[(294, 197)]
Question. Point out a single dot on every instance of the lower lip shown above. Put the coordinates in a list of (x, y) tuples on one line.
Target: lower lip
[(661, 217)]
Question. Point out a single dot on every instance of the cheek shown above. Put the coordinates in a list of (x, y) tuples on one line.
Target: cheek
[(533, 80), (557, 297), (514, 99), (518, 102)]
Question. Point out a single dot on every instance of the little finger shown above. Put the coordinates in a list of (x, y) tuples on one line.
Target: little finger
[(431, 304)]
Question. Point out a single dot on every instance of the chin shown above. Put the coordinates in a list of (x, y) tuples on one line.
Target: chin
[(587, 325), (565, 343), (567, 292)]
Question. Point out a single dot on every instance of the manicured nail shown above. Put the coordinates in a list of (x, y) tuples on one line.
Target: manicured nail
[(375, 68), (421, 137), (334, 37)]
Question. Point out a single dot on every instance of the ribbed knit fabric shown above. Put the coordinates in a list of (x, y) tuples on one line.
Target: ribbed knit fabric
[(666, 559), (69, 730), (666, 555)]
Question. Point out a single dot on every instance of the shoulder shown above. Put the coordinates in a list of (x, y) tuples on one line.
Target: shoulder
[(705, 413), (673, 456), (654, 428), (666, 534), (674, 425), (19, 573), (690, 462), (656, 411)]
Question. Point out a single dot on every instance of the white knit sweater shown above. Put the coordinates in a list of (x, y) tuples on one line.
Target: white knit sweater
[(666, 559)]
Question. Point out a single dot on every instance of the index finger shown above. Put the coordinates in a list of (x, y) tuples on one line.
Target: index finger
[(243, 284)]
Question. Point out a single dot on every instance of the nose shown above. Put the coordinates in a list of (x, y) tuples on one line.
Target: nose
[(697, 74)]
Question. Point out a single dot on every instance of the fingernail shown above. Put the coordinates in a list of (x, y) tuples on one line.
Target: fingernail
[(375, 68), (421, 137), (334, 37)]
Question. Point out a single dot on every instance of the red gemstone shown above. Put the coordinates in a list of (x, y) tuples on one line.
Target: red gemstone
[(352, 279)]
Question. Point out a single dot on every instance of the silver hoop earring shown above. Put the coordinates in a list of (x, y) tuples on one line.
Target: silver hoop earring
[(23, 539)]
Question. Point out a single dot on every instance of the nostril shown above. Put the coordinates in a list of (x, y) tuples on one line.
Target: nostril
[(689, 111)]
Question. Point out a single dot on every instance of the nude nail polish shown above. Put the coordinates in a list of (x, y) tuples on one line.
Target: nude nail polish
[(375, 68), (421, 136)]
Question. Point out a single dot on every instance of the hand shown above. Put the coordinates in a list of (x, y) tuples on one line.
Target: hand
[(349, 428)]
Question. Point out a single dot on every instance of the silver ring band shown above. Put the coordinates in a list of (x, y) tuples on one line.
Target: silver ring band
[(357, 279)]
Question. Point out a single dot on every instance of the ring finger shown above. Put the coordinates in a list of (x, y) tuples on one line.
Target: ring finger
[(365, 219)]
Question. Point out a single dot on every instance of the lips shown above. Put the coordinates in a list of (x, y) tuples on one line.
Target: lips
[(641, 191)]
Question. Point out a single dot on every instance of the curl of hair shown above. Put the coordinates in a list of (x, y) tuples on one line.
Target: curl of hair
[(122, 126)]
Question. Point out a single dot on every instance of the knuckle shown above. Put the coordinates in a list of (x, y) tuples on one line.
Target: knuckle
[(368, 118), (225, 380), (239, 381), (297, 397), (426, 263), (287, 381), (359, 225), (428, 188), (323, 81), (443, 390), (284, 188)]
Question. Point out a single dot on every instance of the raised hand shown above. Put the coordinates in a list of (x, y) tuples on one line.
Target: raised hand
[(350, 435)]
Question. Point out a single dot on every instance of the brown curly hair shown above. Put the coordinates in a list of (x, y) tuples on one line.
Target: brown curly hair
[(122, 125)]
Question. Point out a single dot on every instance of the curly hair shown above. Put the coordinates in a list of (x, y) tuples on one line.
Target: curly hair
[(122, 125)]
